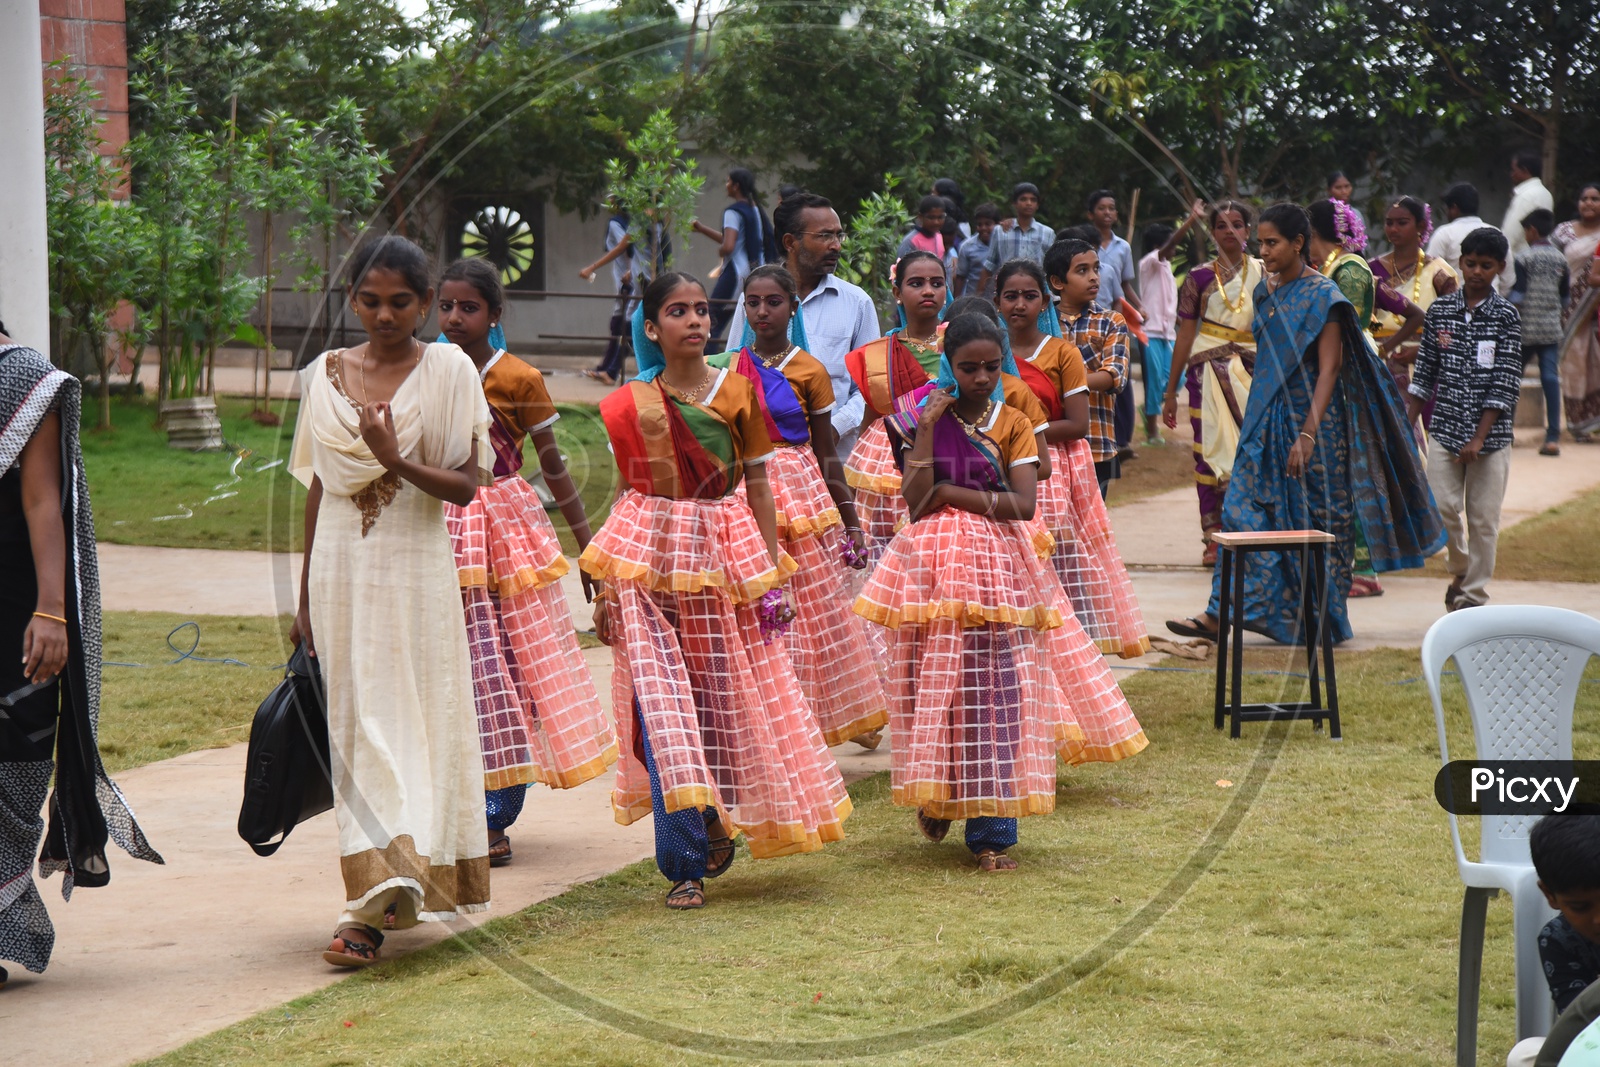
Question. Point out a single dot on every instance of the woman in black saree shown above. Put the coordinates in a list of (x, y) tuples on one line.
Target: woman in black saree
[(50, 694)]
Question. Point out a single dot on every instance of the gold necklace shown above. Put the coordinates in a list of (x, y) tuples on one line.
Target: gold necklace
[(362, 367), (771, 362), (1222, 284), (1416, 276), (1327, 264), (692, 396), (972, 427), (931, 341)]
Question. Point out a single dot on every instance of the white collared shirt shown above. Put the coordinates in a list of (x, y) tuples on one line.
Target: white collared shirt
[(1446, 244), (1526, 197)]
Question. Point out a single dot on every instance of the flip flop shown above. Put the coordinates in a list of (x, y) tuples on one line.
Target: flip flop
[(1362, 586), (1190, 627)]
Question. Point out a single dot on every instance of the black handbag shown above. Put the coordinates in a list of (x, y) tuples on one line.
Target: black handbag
[(286, 774)]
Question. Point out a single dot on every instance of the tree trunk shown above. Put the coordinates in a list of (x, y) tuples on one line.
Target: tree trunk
[(688, 49), (1552, 122), (266, 369), (102, 359)]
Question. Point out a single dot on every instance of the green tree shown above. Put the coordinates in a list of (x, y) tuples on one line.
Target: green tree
[(95, 244), (874, 232), (320, 175), (1532, 67), (501, 95), (193, 189), (659, 189)]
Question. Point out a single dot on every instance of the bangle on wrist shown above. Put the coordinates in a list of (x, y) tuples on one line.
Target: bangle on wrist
[(994, 502), (1308, 437), (52, 618)]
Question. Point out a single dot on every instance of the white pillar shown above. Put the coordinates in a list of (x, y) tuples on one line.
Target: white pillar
[(24, 263)]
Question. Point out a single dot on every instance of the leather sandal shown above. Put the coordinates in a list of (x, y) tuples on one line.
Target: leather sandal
[(869, 740), (503, 856), (933, 829), (343, 952), (687, 895), (994, 861)]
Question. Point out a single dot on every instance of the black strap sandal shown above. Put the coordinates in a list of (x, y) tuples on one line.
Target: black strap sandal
[(500, 859), (719, 847), (687, 895), (933, 829), (353, 953)]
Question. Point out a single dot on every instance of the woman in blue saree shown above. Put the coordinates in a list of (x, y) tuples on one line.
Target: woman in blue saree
[(1324, 445)]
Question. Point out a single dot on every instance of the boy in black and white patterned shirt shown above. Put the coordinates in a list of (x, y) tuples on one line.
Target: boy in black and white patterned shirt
[(1471, 363)]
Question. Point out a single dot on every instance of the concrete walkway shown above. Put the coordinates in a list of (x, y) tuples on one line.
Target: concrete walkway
[(219, 934)]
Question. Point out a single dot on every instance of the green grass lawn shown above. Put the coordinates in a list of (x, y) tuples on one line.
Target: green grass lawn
[(1279, 900), (163, 709), (145, 493), (1554, 546)]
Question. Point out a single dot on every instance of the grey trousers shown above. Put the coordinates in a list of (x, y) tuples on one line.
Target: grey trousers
[(1471, 492)]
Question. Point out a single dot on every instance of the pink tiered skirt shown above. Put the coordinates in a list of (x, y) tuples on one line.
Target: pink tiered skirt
[(729, 726), (1086, 558), (830, 647), (539, 718), (977, 712), (871, 473)]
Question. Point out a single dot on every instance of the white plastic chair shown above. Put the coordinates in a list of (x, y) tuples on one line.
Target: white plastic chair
[(1520, 668)]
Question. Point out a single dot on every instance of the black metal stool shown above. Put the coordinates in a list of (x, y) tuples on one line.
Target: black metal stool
[(1312, 545)]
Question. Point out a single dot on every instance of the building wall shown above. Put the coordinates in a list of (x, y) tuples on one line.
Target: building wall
[(574, 321), (92, 36)]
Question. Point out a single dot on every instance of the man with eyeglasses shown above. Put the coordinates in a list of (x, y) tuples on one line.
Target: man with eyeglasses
[(839, 317)]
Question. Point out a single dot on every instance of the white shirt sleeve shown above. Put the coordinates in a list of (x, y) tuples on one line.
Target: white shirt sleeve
[(849, 407), (736, 324), (847, 413), (1508, 277)]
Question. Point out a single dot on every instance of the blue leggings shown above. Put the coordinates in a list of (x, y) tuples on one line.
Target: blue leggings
[(987, 831), (504, 805), (682, 845)]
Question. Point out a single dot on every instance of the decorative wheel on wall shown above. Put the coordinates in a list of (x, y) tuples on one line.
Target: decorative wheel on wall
[(503, 236)]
